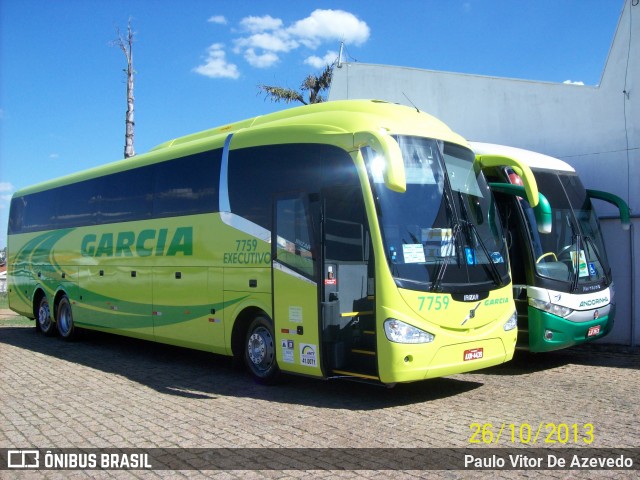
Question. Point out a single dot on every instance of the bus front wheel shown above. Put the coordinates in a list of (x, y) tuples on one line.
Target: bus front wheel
[(64, 319), (44, 322), (260, 351)]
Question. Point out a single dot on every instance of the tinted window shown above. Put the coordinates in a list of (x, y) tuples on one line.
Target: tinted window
[(294, 236), (127, 195), (77, 204), (39, 211), (187, 186), (257, 173), (182, 186)]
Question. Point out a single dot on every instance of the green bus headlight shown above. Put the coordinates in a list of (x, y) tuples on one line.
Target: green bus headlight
[(550, 307)]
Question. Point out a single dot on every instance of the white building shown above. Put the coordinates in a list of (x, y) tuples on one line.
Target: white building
[(596, 129)]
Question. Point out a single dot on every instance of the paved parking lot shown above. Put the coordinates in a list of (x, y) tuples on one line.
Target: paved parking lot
[(105, 391)]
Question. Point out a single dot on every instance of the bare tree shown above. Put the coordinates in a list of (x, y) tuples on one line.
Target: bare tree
[(125, 43), (313, 84)]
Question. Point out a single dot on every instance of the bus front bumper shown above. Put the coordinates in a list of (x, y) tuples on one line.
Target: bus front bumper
[(548, 332)]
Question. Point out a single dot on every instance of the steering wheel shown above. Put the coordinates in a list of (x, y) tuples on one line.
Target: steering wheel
[(548, 254)]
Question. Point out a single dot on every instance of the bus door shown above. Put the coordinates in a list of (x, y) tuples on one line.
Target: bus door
[(347, 286), (296, 273)]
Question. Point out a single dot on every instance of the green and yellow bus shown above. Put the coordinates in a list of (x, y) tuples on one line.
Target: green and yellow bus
[(563, 286), (344, 239)]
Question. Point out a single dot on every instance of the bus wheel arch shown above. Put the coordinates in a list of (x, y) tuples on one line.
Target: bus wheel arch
[(42, 313), (64, 316)]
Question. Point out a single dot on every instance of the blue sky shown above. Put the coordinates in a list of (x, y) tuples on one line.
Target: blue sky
[(198, 63)]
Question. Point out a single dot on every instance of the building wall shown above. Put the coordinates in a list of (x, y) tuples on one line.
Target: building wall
[(596, 129)]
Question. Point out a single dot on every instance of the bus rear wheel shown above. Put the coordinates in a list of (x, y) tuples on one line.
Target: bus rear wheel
[(64, 319), (44, 322), (260, 351)]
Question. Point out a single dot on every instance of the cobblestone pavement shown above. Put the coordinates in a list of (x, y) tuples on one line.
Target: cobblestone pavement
[(105, 391)]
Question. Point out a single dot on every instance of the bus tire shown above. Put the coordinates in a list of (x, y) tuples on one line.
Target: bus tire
[(44, 322), (64, 319), (260, 351)]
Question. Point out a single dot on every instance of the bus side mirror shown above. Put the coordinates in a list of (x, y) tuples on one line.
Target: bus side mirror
[(542, 210), (385, 146), (530, 185), (623, 208)]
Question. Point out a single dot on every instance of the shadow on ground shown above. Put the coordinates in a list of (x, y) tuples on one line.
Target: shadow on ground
[(201, 375)]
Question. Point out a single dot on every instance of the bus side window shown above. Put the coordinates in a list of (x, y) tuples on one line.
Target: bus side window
[(294, 239)]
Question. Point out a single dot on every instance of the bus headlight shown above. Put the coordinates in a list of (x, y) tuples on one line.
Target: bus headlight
[(400, 332), (550, 307), (512, 322)]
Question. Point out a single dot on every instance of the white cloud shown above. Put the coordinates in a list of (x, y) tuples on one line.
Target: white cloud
[(330, 25), (571, 82), (321, 62), (219, 19), (260, 24), (263, 60), (266, 39), (54, 156), (216, 65), (6, 187)]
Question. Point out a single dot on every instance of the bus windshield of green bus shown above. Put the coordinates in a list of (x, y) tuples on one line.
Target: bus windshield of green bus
[(574, 250), (443, 233)]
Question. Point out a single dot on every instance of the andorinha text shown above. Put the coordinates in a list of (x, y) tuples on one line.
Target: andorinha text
[(145, 243)]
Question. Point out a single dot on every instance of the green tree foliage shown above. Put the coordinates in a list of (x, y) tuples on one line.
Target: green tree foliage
[(313, 86)]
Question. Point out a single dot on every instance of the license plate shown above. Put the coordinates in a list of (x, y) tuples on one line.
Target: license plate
[(593, 331), (473, 354)]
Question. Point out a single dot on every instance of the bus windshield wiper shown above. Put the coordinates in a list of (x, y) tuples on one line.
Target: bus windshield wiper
[(497, 278), (576, 264)]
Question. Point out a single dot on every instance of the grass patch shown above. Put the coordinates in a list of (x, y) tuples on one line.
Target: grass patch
[(16, 321), (12, 320)]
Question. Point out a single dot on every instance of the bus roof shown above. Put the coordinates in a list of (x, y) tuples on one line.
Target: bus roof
[(345, 116), (534, 160), (363, 115)]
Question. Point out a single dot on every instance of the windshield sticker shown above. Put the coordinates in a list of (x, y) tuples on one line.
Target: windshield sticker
[(413, 253), (496, 257), (592, 270), (470, 254), (581, 263)]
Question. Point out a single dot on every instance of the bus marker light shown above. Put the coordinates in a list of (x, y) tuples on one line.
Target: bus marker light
[(548, 335)]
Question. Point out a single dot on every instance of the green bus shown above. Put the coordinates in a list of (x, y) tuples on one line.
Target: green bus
[(343, 239), (563, 286)]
